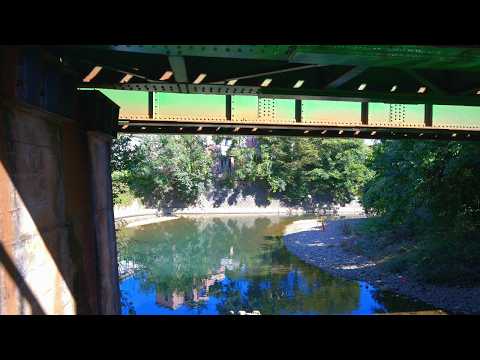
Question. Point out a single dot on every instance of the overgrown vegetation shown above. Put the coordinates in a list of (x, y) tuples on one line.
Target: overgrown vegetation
[(424, 194), (162, 171), (309, 170), (166, 170)]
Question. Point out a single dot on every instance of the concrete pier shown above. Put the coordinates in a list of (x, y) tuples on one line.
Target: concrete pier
[(57, 238)]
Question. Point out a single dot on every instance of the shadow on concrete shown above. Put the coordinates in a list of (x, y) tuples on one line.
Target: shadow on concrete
[(45, 191), (20, 282), (222, 194)]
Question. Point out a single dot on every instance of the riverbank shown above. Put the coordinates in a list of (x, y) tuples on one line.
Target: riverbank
[(232, 204), (139, 220), (136, 214), (323, 249)]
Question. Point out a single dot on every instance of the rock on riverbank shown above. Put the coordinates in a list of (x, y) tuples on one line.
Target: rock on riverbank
[(306, 240)]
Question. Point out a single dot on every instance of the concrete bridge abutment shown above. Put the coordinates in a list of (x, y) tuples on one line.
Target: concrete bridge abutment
[(57, 237)]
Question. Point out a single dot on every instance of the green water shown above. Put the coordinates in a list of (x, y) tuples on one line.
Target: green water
[(224, 264)]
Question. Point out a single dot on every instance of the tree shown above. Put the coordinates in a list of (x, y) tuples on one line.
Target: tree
[(297, 169), (125, 155), (432, 183), (425, 192), (163, 170)]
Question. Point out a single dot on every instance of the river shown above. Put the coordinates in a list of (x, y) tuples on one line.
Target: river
[(207, 265)]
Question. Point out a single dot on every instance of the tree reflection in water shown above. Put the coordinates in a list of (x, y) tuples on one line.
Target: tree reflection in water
[(206, 265)]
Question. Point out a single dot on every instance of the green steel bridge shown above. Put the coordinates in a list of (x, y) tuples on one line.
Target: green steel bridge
[(364, 91), (61, 106)]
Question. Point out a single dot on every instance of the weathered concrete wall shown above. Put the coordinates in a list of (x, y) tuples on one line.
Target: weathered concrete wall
[(57, 243), (56, 229), (34, 234)]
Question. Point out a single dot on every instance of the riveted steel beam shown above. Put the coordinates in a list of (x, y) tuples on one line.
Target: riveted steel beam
[(298, 110), (150, 104), (368, 96), (401, 56), (228, 107), (364, 114), (151, 127), (428, 115), (404, 56), (266, 52), (177, 63), (287, 93), (177, 88)]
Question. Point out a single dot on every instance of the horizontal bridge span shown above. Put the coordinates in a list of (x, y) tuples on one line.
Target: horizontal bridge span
[(287, 93), (294, 116), (345, 90), (199, 128)]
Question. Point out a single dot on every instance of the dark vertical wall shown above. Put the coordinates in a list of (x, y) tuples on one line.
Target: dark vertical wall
[(57, 244), (100, 147), (79, 217)]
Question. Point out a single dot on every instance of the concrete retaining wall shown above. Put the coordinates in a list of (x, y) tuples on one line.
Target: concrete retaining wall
[(232, 203)]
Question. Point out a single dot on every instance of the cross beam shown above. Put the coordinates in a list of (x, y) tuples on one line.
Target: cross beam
[(290, 93), (404, 56), (373, 133)]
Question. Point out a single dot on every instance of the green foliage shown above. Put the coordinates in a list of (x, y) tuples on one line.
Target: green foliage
[(122, 194), (425, 192), (439, 258), (418, 183), (245, 165), (302, 168), (162, 170), (125, 155)]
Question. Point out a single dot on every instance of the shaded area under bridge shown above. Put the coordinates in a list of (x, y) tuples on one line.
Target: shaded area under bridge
[(57, 236)]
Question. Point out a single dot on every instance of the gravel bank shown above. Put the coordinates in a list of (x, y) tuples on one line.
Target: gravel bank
[(306, 240)]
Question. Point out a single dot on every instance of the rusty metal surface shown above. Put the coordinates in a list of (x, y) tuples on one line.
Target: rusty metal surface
[(99, 149), (79, 216)]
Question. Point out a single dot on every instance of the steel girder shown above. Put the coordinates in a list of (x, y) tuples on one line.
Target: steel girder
[(375, 80), (405, 56)]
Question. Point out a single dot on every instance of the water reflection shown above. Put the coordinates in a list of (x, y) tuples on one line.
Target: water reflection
[(212, 265)]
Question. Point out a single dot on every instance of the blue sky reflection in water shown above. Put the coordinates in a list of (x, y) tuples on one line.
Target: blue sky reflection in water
[(218, 265)]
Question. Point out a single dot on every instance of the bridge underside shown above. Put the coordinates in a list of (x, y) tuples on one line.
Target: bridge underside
[(57, 236), (365, 91), (159, 127)]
